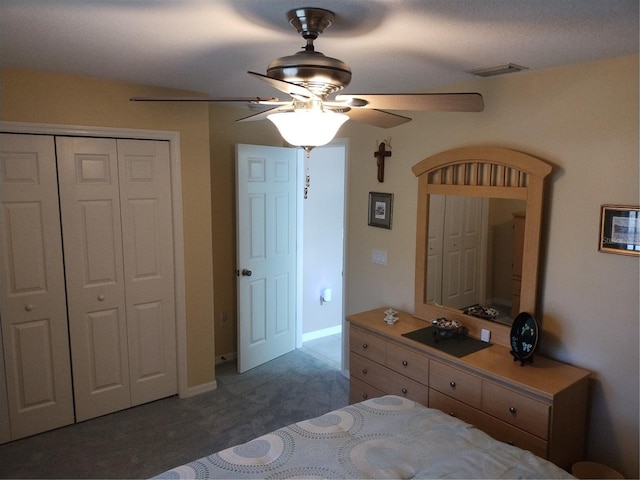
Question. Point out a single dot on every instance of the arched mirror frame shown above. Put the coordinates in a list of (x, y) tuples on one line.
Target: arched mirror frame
[(481, 172)]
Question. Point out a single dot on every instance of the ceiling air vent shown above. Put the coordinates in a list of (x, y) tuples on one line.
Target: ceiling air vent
[(499, 70)]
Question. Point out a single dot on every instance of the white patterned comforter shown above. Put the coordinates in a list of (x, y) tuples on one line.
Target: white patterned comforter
[(386, 437)]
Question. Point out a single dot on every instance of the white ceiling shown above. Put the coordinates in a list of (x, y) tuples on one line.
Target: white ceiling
[(392, 46)]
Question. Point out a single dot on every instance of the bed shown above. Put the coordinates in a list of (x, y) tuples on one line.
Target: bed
[(384, 437)]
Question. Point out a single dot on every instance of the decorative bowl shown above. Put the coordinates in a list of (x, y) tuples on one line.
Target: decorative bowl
[(445, 324), (445, 328)]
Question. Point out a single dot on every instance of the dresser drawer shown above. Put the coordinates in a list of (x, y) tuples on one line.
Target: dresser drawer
[(406, 387), (516, 409), (369, 372), (513, 436), (455, 383), (360, 391), (497, 429), (452, 407), (367, 345), (408, 363), (386, 380)]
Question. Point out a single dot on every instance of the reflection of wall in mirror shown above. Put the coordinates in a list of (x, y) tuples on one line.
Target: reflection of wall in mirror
[(500, 272)]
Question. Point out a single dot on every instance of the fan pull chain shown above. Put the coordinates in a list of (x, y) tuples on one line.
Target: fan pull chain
[(307, 180)]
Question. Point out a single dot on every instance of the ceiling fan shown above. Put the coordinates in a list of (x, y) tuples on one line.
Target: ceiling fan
[(310, 78)]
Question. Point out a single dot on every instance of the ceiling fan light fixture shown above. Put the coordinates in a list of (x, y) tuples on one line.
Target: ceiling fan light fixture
[(498, 70), (308, 128)]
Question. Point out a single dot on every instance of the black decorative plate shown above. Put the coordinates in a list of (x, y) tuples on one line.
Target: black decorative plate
[(524, 337)]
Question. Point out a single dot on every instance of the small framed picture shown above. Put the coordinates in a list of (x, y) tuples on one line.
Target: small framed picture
[(620, 229), (380, 209)]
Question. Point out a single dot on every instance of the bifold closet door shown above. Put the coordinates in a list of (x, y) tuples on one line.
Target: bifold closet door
[(147, 234), (116, 218), (33, 309), (91, 226)]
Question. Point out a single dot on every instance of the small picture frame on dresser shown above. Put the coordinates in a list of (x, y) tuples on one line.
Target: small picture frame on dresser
[(620, 229)]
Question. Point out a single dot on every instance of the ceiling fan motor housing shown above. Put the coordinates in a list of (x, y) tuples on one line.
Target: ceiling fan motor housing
[(313, 70)]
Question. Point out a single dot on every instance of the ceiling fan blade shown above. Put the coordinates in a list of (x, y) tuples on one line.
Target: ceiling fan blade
[(442, 102), (268, 100), (377, 118), (263, 115), (297, 91)]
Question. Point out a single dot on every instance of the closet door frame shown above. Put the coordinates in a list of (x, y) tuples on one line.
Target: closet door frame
[(176, 197)]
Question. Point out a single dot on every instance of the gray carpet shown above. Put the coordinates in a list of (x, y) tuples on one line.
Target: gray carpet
[(143, 441)]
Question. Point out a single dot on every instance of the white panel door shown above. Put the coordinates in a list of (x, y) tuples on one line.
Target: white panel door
[(462, 272), (33, 310), (147, 233), (91, 223), (266, 251)]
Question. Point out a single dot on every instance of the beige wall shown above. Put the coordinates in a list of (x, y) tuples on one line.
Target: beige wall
[(73, 100), (584, 121)]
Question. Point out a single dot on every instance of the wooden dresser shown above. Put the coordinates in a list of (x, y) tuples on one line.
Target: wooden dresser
[(540, 407)]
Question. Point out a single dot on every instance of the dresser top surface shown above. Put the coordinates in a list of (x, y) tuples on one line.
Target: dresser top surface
[(543, 376)]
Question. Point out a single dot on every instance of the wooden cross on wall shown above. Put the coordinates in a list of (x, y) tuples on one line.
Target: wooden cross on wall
[(380, 155)]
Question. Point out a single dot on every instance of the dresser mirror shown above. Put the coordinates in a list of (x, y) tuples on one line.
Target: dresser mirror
[(478, 178), (474, 254)]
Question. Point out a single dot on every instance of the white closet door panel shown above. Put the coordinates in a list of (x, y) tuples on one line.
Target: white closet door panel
[(461, 271), (33, 310), (147, 233), (91, 222)]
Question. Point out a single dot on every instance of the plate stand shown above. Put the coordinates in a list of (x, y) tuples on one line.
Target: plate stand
[(523, 361)]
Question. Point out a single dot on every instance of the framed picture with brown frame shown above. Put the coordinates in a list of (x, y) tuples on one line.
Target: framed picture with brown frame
[(380, 209), (620, 229)]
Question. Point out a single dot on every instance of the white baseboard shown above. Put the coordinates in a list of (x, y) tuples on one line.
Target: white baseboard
[(226, 357), (199, 389), (325, 332)]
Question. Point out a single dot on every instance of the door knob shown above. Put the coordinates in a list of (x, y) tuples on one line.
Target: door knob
[(246, 272)]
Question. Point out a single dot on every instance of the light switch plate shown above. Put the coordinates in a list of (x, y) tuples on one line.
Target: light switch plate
[(379, 257)]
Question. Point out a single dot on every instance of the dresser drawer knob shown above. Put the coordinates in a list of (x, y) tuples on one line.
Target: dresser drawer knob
[(452, 384), (405, 363), (404, 390), (364, 371), (364, 345), (452, 414), (510, 442), (512, 410), (365, 396)]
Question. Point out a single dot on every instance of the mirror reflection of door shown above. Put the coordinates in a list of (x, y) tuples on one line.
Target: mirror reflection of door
[(456, 276), (463, 250)]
